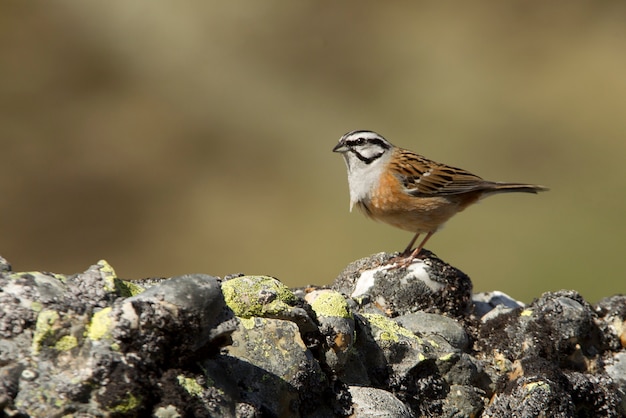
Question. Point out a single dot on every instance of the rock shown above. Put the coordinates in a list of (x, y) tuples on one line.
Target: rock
[(376, 403), (543, 390), (195, 298), (382, 342), (616, 369), (264, 296), (90, 347), (558, 326), (463, 401), (336, 325), (5, 267), (427, 284), (612, 312), (269, 359), (488, 305), (426, 323), (532, 397)]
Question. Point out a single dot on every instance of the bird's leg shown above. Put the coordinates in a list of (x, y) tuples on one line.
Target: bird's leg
[(408, 259), (416, 252), (409, 248)]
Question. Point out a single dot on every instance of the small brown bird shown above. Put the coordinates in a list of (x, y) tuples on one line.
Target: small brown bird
[(408, 191)]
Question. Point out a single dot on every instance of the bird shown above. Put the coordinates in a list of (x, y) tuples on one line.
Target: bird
[(409, 191)]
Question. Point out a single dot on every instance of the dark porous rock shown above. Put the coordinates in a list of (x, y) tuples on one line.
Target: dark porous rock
[(384, 340), (559, 326), (427, 284), (612, 312)]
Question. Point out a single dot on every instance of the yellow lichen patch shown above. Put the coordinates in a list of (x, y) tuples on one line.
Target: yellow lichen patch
[(526, 312), (47, 325), (329, 303), (127, 405), (539, 385), (190, 385), (446, 357), (248, 323), (260, 296), (66, 343), (108, 274), (388, 330), (101, 324), (127, 288)]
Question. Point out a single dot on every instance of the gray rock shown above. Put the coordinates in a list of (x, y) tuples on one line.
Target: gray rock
[(377, 403), (463, 401), (269, 359), (486, 303), (615, 368), (336, 323), (407, 341), (89, 349), (428, 284), (5, 267), (265, 297), (196, 298), (426, 323)]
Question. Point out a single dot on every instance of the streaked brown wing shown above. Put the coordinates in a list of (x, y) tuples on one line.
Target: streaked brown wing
[(423, 177)]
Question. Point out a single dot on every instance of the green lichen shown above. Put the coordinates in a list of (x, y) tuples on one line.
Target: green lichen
[(331, 304), (539, 385), (388, 330), (66, 343), (260, 296), (45, 329), (121, 287), (108, 274), (127, 288), (248, 323), (434, 343), (127, 405), (36, 275), (101, 324), (190, 385)]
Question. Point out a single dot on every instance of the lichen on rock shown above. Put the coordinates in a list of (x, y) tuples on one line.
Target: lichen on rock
[(379, 341)]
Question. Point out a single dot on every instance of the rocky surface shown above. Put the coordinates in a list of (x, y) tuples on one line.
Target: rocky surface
[(381, 341)]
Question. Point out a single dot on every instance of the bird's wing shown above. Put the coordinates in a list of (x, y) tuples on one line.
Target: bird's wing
[(422, 177)]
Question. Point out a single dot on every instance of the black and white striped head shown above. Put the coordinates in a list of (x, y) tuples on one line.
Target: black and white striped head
[(362, 147), (366, 154)]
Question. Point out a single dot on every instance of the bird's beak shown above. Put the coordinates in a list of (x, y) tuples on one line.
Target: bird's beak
[(340, 147)]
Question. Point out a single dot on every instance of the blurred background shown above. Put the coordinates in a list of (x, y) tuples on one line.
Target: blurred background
[(172, 138)]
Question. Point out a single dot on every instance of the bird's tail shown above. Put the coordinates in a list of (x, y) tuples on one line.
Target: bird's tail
[(501, 187)]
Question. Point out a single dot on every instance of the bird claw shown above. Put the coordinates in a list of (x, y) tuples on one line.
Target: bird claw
[(404, 260)]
